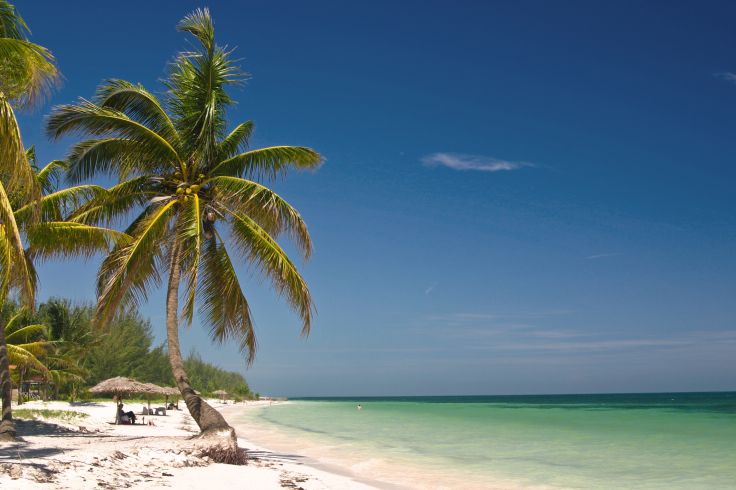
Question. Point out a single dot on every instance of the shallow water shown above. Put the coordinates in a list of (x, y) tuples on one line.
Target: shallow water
[(580, 441)]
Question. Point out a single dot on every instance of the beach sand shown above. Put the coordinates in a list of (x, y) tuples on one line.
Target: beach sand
[(91, 453)]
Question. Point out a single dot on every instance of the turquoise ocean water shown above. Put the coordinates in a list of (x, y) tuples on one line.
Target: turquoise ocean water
[(666, 440)]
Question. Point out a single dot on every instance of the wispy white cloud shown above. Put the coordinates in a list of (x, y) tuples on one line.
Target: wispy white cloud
[(463, 317), (504, 333), (480, 163), (518, 337), (431, 288), (727, 76), (587, 345), (602, 256)]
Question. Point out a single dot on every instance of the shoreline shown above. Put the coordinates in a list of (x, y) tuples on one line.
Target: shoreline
[(342, 470), (90, 452)]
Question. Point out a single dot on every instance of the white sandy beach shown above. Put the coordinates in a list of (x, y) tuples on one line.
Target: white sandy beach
[(91, 453)]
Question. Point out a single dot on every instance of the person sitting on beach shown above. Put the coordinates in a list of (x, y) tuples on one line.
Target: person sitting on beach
[(125, 417)]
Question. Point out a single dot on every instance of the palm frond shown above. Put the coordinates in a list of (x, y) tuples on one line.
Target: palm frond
[(12, 25), (28, 72), (6, 264), (268, 162), (116, 202), (64, 368), (236, 141), (49, 177), (222, 302), (119, 157), (131, 267), (260, 249), (265, 207), (199, 24), (25, 357), (38, 348), (66, 374), (15, 172), (19, 273), (31, 156), (88, 118), (138, 104), (16, 316), (55, 239), (57, 205), (24, 333)]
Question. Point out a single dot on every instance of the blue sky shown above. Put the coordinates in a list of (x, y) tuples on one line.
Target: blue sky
[(518, 197)]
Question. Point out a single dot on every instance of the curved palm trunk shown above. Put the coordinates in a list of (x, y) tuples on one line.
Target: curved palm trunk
[(208, 419), (7, 428)]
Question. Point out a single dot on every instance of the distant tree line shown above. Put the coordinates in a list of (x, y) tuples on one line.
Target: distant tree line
[(125, 347)]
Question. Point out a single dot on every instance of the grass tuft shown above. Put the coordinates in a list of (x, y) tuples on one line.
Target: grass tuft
[(44, 413)]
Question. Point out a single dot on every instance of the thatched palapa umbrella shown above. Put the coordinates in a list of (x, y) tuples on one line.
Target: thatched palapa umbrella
[(172, 392), (120, 386), (221, 393), (155, 390)]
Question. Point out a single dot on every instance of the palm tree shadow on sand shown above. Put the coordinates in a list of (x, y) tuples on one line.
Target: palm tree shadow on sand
[(48, 429), (21, 450)]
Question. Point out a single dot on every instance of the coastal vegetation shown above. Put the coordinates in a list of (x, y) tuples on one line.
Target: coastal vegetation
[(59, 329)]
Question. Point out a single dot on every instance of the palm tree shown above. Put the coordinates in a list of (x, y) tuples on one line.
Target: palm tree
[(69, 327), (32, 349), (27, 72), (184, 176), (26, 344)]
